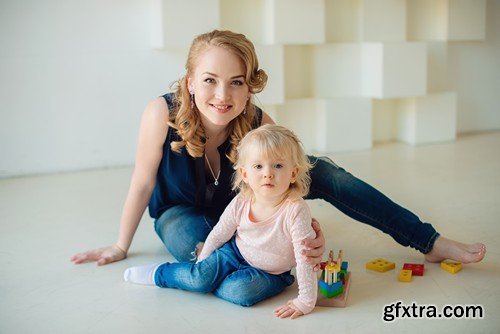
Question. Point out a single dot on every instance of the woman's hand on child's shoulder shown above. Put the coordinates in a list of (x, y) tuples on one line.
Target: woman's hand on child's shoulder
[(316, 247), (289, 310), (102, 256)]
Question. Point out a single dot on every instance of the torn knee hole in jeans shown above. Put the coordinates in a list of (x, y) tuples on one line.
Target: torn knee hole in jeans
[(197, 251)]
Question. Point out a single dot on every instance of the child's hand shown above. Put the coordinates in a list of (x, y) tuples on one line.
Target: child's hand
[(288, 310)]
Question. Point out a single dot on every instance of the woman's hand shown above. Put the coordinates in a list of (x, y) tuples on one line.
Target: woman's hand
[(316, 247), (288, 310), (103, 255)]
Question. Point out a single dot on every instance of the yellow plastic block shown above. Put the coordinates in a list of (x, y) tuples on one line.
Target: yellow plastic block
[(451, 267), (380, 265), (405, 275)]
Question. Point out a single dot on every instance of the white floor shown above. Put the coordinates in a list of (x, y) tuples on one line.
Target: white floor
[(45, 219)]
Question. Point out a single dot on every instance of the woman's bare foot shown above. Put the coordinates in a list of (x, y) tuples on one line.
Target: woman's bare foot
[(446, 249)]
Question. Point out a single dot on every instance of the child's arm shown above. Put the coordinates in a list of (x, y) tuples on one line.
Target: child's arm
[(300, 229), (222, 231)]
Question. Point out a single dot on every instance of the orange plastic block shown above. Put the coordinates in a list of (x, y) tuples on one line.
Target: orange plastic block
[(451, 267), (380, 265), (405, 275)]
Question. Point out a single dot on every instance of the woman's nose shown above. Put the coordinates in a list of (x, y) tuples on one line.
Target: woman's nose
[(221, 92)]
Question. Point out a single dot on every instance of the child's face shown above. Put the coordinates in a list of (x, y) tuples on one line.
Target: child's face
[(219, 86), (269, 178)]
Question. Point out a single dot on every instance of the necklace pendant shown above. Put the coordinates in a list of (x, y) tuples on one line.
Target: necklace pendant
[(216, 182)]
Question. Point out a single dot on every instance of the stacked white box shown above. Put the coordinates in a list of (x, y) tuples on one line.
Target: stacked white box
[(391, 70), (337, 70), (245, 17), (466, 20), (383, 21), (300, 116), (299, 71), (329, 125), (343, 20), (294, 21), (427, 20), (170, 26), (437, 67), (446, 20), (344, 124), (428, 119), (272, 60)]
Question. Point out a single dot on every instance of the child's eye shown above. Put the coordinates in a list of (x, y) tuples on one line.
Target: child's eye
[(278, 166), (257, 166)]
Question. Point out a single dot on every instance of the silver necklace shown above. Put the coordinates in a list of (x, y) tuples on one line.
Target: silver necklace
[(212, 171)]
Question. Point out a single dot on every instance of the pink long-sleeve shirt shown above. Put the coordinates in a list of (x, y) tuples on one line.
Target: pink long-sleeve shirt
[(273, 245)]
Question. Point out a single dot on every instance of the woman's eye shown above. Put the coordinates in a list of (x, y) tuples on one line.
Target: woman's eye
[(237, 82), (209, 80)]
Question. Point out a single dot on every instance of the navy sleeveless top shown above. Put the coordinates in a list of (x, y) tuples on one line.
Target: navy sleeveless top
[(181, 179)]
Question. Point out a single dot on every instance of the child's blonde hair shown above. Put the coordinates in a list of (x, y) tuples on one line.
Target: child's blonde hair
[(274, 142)]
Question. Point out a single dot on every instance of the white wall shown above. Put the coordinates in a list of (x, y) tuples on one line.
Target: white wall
[(76, 75), (74, 79), (474, 73)]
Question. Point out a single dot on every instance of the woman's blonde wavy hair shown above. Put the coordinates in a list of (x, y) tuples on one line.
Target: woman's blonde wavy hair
[(273, 142), (187, 121)]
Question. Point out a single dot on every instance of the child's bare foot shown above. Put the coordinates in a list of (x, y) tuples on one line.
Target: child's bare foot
[(446, 249)]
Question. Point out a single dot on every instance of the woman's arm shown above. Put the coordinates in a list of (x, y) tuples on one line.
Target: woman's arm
[(152, 134)]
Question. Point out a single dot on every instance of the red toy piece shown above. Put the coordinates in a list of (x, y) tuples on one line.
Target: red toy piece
[(416, 269)]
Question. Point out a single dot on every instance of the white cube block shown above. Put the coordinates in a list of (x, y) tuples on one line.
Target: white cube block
[(294, 21), (383, 21), (427, 20), (329, 125), (437, 67), (466, 20), (337, 70), (241, 16), (343, 20), (298, 71), (384, 119), (453, 20), (300, 116), (272, 60), (393, 70), (428, 119), (344, 124), (169, 21)]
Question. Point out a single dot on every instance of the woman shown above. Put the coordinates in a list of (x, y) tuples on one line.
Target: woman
[(186, 148)]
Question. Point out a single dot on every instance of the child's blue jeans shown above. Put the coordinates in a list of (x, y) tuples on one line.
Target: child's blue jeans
[(182, 228), (225, 273)]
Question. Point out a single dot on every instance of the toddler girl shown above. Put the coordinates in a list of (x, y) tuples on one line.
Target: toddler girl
[(260, 232)]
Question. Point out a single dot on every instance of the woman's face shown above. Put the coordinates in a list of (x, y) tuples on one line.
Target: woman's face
[(219, 86)]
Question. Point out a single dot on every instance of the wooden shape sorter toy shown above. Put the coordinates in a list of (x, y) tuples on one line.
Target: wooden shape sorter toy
[(334, 282)]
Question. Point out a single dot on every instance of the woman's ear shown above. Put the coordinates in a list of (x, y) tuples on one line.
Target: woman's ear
[(190, 85)]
